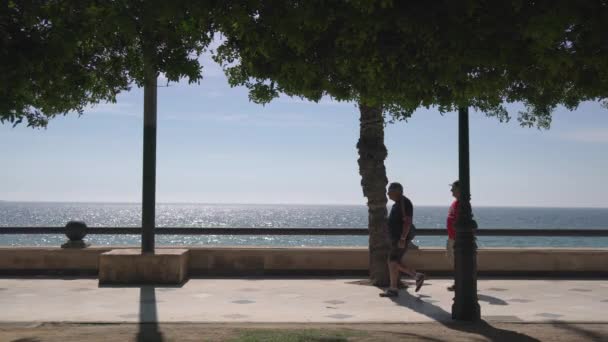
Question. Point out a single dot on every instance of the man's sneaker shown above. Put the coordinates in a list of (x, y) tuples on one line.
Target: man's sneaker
[(452, 287), (390, 293), (419, 281)]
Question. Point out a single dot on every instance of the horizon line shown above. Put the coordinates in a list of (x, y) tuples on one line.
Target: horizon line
[(305, 204)]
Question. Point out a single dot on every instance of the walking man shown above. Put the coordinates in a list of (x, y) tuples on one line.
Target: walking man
[(400, 234), (451, 226)]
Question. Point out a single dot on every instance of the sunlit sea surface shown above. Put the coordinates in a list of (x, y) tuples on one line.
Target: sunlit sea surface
[(21, 214)]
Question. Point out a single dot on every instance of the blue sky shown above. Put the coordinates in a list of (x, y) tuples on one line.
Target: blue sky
[(214, 146)]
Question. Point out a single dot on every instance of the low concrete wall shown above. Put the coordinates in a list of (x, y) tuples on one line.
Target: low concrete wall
[(253, 260), (50, 260), (314, 260)]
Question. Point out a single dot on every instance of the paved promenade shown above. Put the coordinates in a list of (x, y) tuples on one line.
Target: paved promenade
[(295, 300)]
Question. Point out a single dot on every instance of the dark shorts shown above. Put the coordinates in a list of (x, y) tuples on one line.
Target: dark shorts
[(395, 253)]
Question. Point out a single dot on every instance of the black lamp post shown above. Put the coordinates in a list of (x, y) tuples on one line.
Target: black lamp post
[(149, 163), (465, 306)]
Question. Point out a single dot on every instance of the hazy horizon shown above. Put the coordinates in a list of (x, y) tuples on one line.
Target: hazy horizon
[(300, 204)]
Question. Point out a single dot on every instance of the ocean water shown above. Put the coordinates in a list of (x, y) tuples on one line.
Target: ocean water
[(20, 214)]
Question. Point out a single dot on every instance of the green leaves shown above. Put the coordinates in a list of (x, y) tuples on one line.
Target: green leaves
[(403, 55), (60, 56)]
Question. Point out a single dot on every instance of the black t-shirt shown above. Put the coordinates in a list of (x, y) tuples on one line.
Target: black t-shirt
[(395, 218)]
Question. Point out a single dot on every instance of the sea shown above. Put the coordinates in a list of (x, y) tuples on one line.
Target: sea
[(51, 214)]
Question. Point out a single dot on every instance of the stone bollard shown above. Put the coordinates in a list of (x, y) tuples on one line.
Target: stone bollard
[(75, 231)]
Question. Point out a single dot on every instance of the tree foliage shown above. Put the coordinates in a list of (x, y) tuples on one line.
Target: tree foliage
[(406, 54), (59, 56)]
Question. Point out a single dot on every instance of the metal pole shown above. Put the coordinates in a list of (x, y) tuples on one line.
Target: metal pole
[(149, 164), (466, 306)]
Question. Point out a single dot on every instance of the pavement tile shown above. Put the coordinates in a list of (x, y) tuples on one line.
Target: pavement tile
[(340, 316)]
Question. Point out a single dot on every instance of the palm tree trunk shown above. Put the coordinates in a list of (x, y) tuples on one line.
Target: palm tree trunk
[(372, 154)]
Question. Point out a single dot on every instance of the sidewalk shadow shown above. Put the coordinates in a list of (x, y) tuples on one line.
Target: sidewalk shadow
[(491, 300), (148, 328), (443, 317), (585, 335), (148, 317)]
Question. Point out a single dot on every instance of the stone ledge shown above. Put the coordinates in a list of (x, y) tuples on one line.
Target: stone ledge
[(129, 266), (248, 260)]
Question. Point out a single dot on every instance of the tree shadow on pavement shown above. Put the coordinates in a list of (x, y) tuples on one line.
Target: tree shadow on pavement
[(585, 335), (443, 317)]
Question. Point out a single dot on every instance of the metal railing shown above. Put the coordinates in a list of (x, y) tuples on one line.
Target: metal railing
[(599, 232)]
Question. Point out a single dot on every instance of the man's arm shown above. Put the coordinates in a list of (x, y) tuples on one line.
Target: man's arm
[(407, 220), (407, 223)]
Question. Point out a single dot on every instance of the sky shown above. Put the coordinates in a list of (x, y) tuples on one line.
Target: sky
[(215, 146)]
